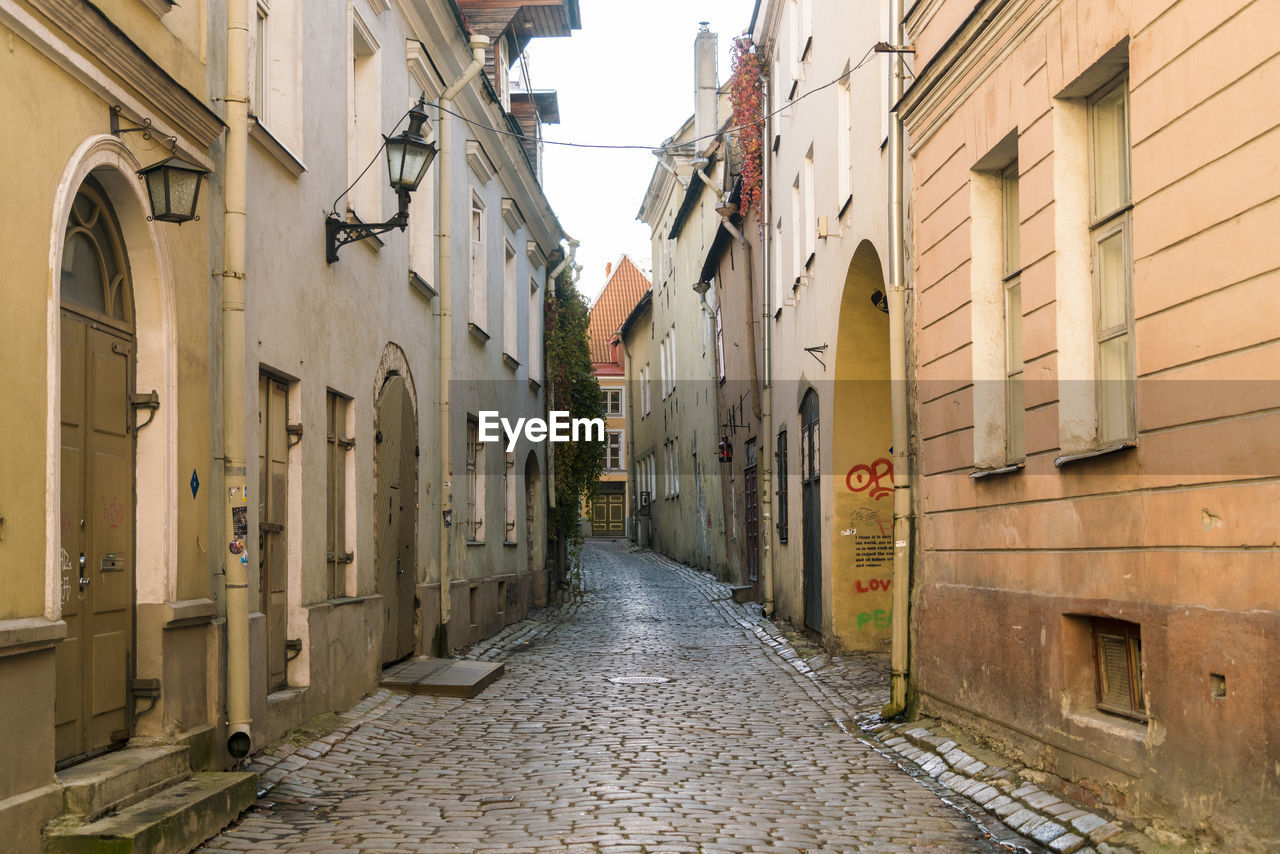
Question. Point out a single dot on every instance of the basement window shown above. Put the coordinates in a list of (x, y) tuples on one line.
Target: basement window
[(1117, 655)]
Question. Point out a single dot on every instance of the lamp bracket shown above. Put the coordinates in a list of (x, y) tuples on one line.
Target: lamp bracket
[(339, 232), (143, 128)]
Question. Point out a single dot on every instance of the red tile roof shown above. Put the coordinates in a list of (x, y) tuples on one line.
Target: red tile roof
[(624, 289)]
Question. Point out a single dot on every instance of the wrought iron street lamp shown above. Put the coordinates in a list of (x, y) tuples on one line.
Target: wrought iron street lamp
[(173, 185), (409, 155)]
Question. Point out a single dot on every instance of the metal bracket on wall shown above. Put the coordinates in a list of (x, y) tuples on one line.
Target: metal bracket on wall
[(292, 645), (145, 689), (149, 401), (816, 352), (294, 431)]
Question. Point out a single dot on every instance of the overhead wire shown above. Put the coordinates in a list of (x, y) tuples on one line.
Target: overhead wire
[(666, 146)]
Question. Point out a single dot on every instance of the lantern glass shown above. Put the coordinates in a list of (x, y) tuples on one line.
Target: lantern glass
[(408, 157), (173, 186)]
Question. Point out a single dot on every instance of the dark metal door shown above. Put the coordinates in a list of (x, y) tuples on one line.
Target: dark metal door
[(752, 510), (811, 501)]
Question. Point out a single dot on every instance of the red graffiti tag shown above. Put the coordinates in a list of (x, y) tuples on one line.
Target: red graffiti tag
[(871, 479), (875, 585), (112, 510)]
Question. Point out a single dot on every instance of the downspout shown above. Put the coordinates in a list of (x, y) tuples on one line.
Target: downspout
[(770, 467), (897, 299), (479, 45), (235, 477)]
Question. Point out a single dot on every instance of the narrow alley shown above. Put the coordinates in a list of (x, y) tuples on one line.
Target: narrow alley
[(727, 754)]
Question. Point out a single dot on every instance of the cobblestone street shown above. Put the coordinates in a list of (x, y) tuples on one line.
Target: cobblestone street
[(741, 750)]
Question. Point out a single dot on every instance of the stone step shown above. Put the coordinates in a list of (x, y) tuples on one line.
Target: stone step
[(118, 779), (175, 821), (441, 677)]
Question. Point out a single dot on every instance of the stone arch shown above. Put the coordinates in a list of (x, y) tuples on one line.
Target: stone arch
[(115, 169), (862, 463)]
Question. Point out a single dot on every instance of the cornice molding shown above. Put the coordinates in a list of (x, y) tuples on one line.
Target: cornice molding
[(968, 55), (85, 24)]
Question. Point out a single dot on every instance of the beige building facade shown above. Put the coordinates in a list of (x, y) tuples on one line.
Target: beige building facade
[(825, 335), (1094, 367), (373, 528)]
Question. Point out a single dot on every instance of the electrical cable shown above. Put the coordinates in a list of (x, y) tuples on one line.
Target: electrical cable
[(664, 148)]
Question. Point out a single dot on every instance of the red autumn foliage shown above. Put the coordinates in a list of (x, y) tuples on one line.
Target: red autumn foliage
[(746, 94)]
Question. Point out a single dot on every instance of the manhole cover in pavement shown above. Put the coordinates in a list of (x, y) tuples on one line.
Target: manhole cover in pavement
[(638, 680)]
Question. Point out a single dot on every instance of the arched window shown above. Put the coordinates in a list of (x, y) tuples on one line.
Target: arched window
[(95, 271)]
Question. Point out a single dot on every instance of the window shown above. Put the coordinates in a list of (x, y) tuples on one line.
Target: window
[(473, 525), (1015, 415), (809, 226), (509, 491), (804, 29), (365, 140), (671, 358), (612, 451), (781, 474), (611, 399), (533, 358), (478, 299), (797, 259), (1117, 651), (809, 451), (844, 140), (719, 344), (509, 345), (675, 467), (277, 70), (644, 389), (338, 462), (502, 65), (1110, 238)]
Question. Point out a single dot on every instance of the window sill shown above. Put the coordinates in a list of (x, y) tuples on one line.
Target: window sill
[(277, 149), (422, 286), (339, 601), (534, 384), (808, 264), (845, 206), (159, 7), (1011, 468), (511, 362), (478, 333), (1113, 725), (471, 543), (510, 543), (1066, 459)]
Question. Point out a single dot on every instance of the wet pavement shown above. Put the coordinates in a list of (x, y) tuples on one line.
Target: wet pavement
[(737, 749)]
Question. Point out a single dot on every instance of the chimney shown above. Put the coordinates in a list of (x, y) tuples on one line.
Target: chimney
[(608, 269), (705, 75)]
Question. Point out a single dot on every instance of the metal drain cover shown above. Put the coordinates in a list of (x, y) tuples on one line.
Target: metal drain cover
[(638, 680)]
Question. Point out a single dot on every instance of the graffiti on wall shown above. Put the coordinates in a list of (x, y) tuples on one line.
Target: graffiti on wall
[(875, 479), (878, 619)]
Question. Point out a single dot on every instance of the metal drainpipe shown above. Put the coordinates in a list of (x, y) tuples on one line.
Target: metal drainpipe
[(235, 480), (897, 299), (770, 466), (479, 46)]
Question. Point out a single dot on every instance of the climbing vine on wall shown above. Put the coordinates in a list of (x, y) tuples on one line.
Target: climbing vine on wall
[(746, 93)]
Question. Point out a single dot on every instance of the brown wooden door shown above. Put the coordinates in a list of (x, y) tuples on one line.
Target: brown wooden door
[(273, 497), (397, 517), (95, 662), (609, 510)]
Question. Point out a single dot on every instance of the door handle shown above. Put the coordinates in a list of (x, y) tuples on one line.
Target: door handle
[(84, 582), (399, 571)]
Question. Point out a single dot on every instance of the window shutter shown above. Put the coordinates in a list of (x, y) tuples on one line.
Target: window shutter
[(1113, 661)]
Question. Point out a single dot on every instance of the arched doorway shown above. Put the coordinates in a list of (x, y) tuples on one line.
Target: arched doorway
[(95, 662), (811, 509), (397, 514), (862, 490)]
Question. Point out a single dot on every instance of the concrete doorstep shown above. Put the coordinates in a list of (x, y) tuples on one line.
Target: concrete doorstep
[(441, 677)]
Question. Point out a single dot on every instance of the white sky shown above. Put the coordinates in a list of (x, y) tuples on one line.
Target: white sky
[(625, 78)]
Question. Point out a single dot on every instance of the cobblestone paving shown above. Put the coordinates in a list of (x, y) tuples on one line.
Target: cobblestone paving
[(739, 751)]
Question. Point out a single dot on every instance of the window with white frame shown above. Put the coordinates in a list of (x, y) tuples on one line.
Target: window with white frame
[(478, 298), (1110, 229), (612, 451), (365, 133), (809, 226), (797, 247), (1015, 414), (804, 30), (509, 345), (719, 344), (533, 356), (844, 140), (644, 389), (473, 524), (277, 70), (611, 399)]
